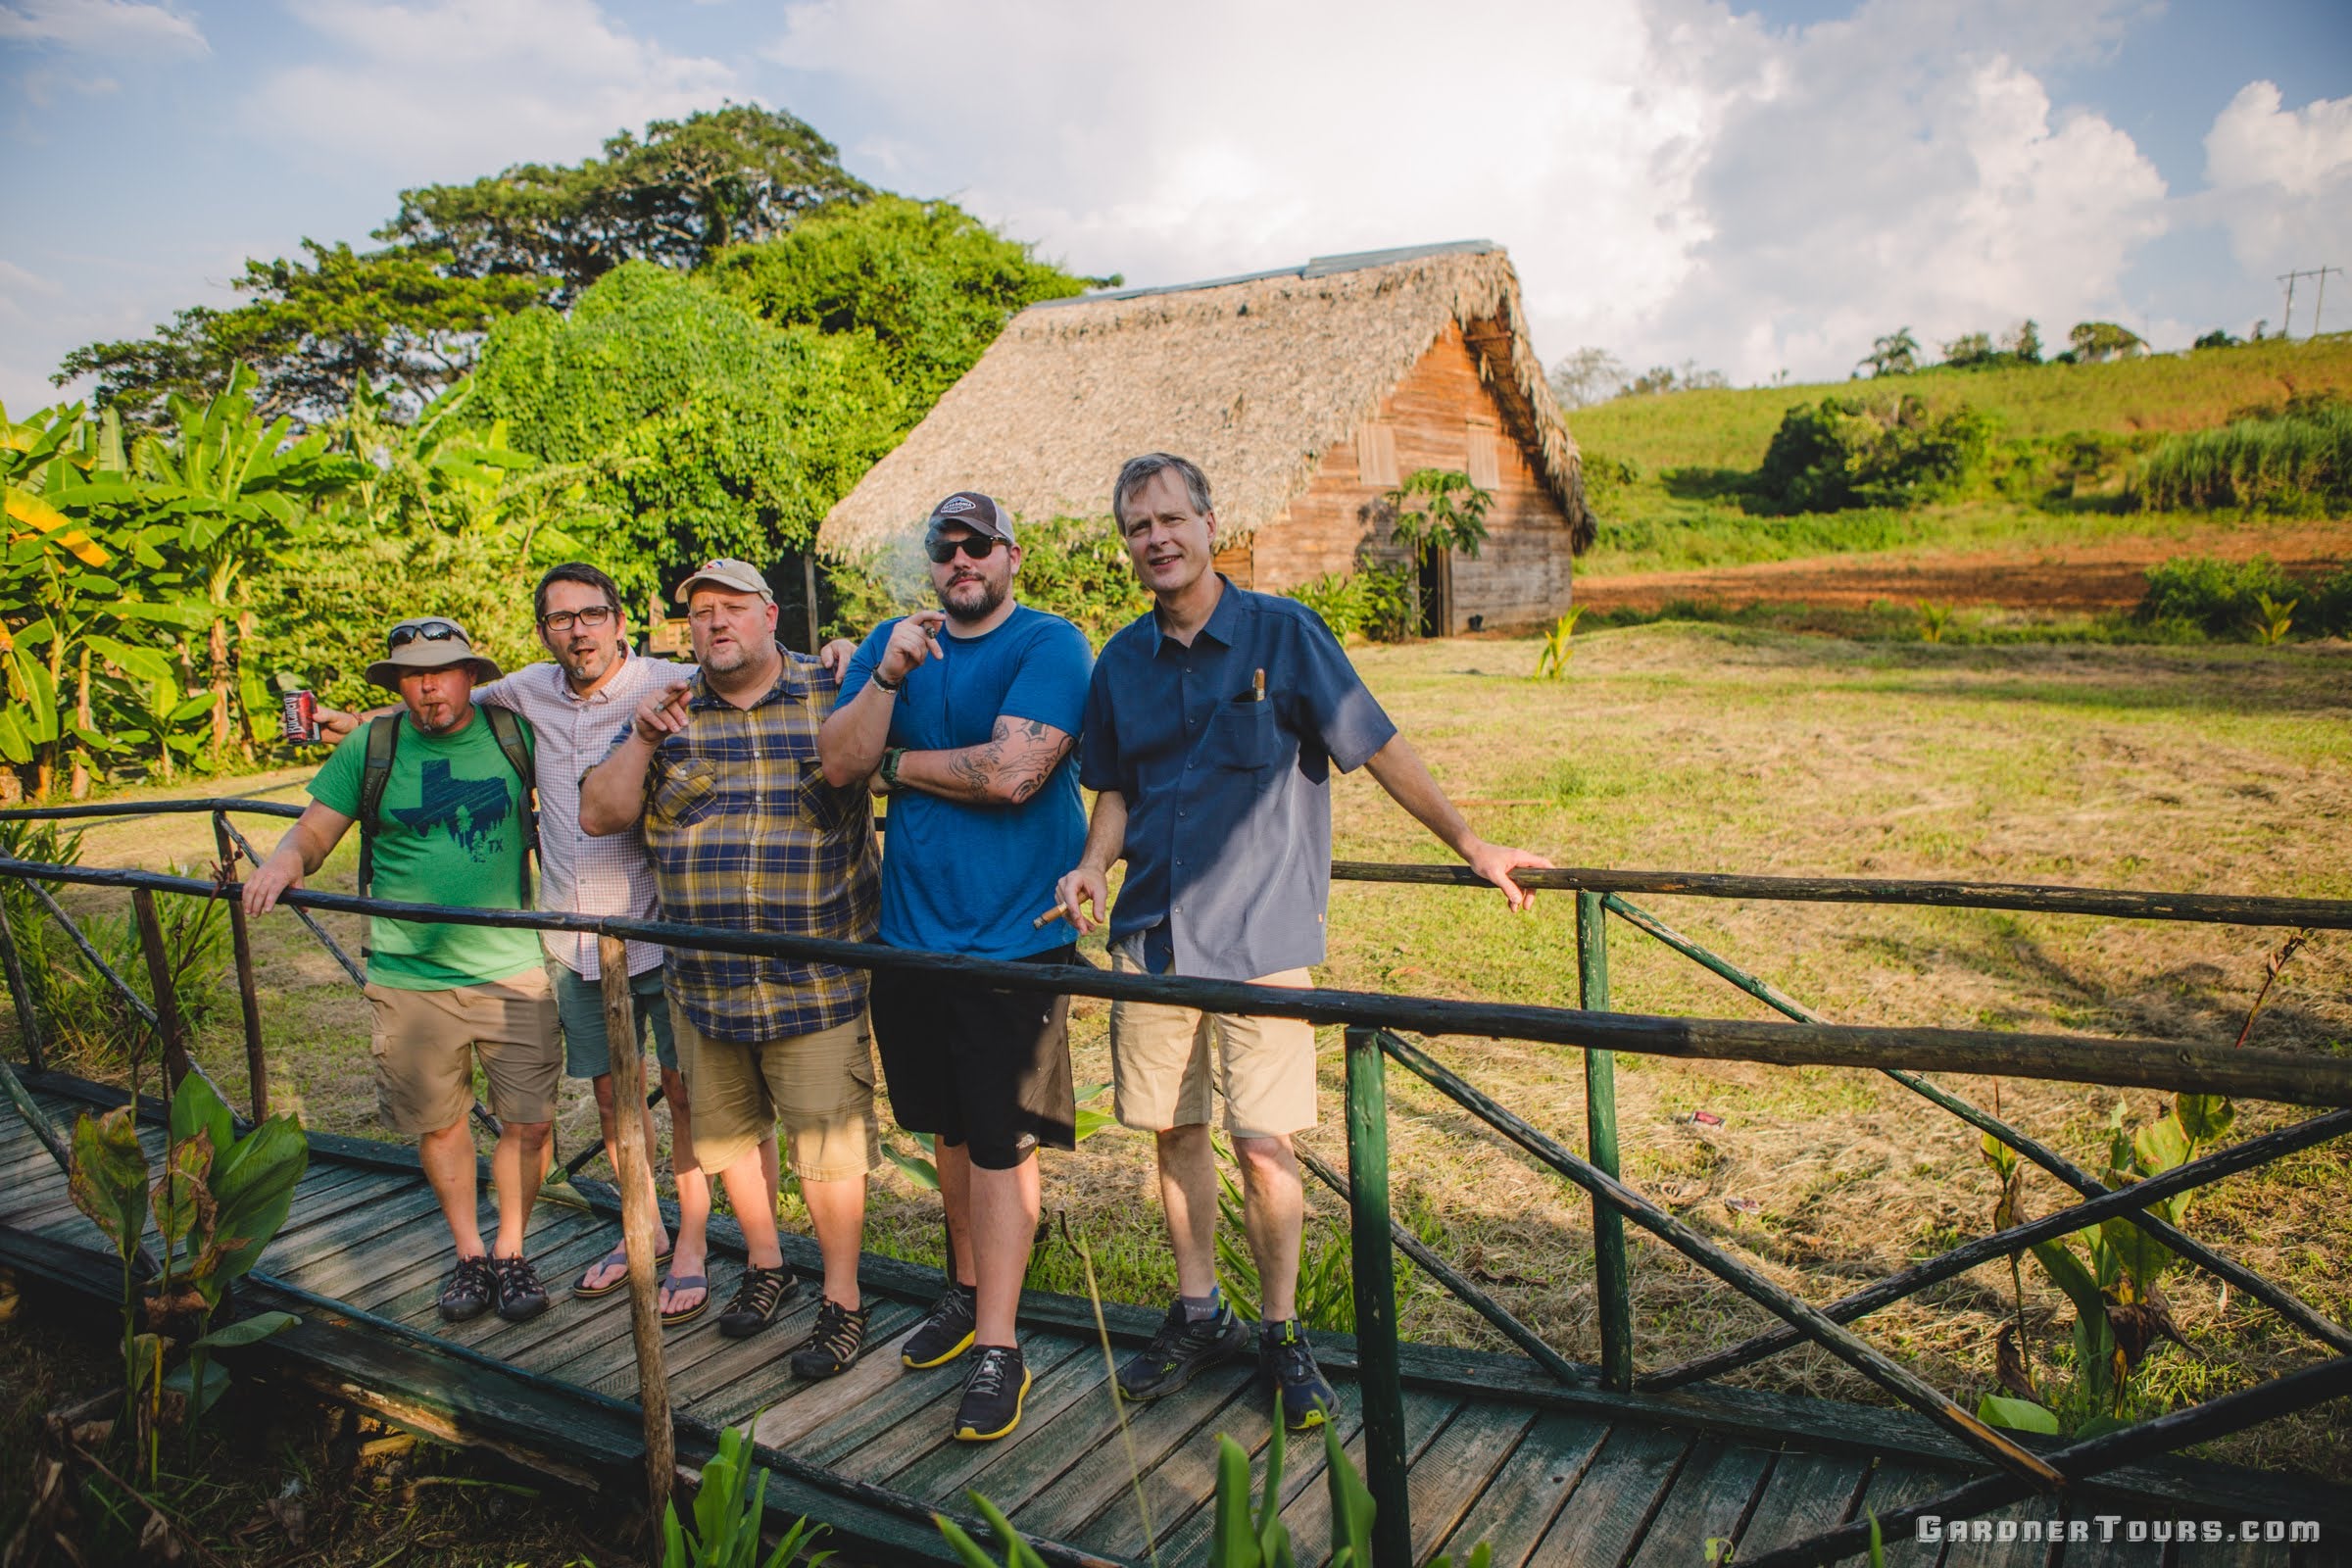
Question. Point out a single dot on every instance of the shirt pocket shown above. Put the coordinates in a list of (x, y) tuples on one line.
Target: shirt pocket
[(685, 795), (1243, 738), (823, 805)]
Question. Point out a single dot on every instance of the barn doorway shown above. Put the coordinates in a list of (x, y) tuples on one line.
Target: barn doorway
[(1437, 594)]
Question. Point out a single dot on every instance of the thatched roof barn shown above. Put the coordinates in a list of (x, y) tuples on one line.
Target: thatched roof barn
[(1305, 393)]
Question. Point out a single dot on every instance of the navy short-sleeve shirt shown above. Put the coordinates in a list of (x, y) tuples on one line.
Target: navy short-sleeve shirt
[(1228, 797)]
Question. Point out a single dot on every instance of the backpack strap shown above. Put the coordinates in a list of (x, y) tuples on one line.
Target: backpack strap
[(507, 730), (383, 739)]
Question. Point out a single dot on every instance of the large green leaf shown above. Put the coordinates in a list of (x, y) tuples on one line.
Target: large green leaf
[(254, 1183), (247, 1331), (2160, 1145), (1352, 1506), (2018, 1415), (200, 1379), (149, 665), (2205, 1118), (16, 746), (197, 1107), (109, 1178), (2141, 1257), (189, 614), (1233, 1533)]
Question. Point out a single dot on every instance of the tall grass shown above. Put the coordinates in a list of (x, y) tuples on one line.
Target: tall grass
[(2297, 461)]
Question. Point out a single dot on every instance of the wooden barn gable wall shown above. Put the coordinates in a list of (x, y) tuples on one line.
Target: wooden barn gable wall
[(1522, 576)]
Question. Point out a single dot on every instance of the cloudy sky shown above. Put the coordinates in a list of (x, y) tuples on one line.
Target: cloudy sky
[(1758, 188)]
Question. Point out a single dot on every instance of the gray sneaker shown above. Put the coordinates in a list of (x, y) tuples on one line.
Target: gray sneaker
[(1182, 1350)]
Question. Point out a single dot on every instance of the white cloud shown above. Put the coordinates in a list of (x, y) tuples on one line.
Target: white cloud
[(102, 27), (449, 89), (1673, 179), (2279, 184)]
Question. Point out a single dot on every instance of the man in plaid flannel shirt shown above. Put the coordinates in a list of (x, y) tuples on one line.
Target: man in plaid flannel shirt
[(746, 835)]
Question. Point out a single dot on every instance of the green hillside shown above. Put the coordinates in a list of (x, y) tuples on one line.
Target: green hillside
[(1667, 470)]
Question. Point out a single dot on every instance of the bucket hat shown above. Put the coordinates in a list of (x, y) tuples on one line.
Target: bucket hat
[(429, 642)]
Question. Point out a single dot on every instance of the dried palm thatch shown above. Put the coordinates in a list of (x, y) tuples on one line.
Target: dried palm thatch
[(1253, 378)]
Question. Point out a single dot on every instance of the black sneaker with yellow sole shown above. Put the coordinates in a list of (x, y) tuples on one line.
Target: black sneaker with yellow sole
[(993, 1393), (946, 1331)]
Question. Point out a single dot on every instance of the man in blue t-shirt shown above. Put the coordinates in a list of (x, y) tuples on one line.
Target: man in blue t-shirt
[(970, 712)]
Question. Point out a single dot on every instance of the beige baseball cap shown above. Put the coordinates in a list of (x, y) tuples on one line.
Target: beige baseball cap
[(739, 576)]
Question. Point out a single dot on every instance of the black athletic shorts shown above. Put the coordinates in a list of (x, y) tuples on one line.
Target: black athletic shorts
[(982, 1068)]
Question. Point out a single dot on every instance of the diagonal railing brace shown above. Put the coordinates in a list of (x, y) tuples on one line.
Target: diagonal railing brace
[(1839, 1342), (2216, 1263)]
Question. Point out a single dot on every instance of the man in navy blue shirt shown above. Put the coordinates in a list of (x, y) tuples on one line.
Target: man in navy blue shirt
[(1211, 727), (970, 712)]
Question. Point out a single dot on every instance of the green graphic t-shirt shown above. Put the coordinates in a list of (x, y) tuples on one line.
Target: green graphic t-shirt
[(451, 833)]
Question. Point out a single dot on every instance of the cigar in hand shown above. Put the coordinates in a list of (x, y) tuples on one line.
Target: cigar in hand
[(1057, 912)]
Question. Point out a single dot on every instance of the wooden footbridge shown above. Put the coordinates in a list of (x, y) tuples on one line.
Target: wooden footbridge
[(1547, 1460)]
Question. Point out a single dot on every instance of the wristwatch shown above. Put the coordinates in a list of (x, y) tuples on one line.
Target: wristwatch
[(890, 767)]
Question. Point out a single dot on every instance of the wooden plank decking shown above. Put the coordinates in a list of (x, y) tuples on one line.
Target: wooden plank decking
[(1549, 1475)]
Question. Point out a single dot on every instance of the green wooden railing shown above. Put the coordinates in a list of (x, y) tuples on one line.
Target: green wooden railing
[(1371, 1022)]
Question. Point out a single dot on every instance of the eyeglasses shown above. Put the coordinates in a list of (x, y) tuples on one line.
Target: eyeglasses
[(559, 621), (978, 546), (433, 632)]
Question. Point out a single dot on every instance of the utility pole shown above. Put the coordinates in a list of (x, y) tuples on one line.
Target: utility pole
[(2286, 328)]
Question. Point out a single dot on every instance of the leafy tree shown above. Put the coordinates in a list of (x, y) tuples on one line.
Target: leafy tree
[(317, 333), (1667, 378), (931, 283), (2025, 342), (1895, 354), (721, 435), (2215, 340), (1588, 376), (2094, 341), (677, 196), (1970, 349), (1866, 451)]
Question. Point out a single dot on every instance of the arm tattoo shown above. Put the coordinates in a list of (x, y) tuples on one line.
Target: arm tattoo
[(1010, 766)]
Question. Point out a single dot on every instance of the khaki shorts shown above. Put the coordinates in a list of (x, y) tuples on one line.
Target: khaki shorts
[(819, 1086), (1160, 1064), (425, 1043)]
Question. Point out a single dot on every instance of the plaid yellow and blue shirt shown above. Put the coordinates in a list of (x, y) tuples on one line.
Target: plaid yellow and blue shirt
[(746, 835)]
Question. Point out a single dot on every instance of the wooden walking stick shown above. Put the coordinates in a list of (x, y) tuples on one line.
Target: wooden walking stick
[(632, 1163)]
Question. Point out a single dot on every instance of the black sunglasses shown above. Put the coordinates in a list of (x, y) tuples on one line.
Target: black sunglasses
[(433, 632), (978, 546)]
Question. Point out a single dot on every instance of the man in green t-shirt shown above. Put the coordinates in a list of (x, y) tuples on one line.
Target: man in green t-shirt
[(451, 827)]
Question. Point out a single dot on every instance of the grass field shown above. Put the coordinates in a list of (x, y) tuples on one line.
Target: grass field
[(1690, 450), (1742, 749)]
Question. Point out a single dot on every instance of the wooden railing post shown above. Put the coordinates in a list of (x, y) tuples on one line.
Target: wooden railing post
[(1610, 1283), (28, 1023), (159, 982), (256, 1066), (1379, 1382), (632, 1165)]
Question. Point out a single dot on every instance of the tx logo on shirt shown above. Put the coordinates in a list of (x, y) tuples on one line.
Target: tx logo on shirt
[(469, 810)]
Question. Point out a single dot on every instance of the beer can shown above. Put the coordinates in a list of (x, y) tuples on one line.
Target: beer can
[(301, 717)]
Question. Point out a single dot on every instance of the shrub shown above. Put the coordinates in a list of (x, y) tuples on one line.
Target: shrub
[(1848, 451), (2237, 598), (1373, 600), (2295, 458), (1076, 567)]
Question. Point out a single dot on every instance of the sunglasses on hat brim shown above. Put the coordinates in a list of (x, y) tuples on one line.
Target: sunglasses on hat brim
[(433, 632)]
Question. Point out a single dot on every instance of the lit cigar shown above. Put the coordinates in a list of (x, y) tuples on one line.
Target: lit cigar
[(1057, 912)]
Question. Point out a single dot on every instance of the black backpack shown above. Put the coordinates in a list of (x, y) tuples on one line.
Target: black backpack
[(383, 739)]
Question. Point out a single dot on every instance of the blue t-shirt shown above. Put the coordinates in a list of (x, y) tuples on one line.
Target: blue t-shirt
[(971, 878)]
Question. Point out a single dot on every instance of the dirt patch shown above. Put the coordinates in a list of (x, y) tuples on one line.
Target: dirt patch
[(2095, 576)]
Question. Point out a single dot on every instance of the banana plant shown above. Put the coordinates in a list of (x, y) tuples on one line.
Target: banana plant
[(236, 491), (2113, 1282)]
